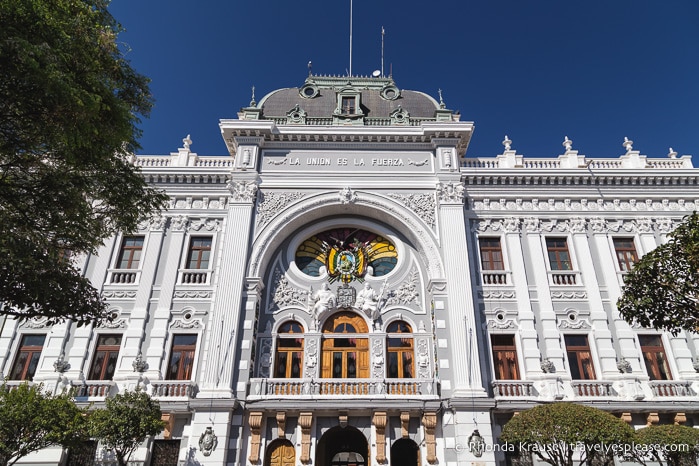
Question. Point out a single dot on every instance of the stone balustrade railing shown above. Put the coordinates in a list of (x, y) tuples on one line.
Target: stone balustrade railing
[(343, 387)]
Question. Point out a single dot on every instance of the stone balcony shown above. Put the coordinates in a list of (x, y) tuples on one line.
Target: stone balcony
[(173, 389), (581, 390), (331, 388)]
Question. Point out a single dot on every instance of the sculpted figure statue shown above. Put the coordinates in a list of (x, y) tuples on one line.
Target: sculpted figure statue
[(323, 299), (368, 301)]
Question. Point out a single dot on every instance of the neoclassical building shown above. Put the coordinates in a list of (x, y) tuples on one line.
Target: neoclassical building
[(349, 287)]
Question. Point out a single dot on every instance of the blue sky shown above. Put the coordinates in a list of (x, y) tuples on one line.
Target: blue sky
[(536, 70)]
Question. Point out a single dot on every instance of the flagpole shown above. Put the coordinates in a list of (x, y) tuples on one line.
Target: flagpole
[(350, 51), (383, 33)]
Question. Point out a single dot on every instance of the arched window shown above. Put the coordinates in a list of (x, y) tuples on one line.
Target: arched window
[(289, 358), (401, 351), (345, 349)]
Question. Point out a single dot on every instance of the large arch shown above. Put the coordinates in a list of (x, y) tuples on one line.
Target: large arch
[(363, 204), (341, 446)]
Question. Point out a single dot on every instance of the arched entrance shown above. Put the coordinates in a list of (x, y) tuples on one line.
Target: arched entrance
[(280, 453), (342, 447), (405, 452)]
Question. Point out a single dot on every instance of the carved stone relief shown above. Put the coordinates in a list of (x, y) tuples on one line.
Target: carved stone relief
[(284, 294), (265, 357), (207, 224), (271, 204), (407, 292), (423, 359), (242, 191), (451, 193), (422, 204), (377, 359)]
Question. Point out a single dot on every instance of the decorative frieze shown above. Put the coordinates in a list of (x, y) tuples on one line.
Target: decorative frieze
[(207, 224), (119, 294), (422, 204), (574, 225), (568, 295), (495, 324), (497, 294), (591, 205), (193, 294), (179, 223), (271, 204)]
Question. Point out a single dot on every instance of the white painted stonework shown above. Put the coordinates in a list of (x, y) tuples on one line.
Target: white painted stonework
[(299, 173)]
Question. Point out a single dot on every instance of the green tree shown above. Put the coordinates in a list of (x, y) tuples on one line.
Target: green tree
[(31, 420), (662, 289), (125, 423), (667, 445), (556, 432), (69, 108)]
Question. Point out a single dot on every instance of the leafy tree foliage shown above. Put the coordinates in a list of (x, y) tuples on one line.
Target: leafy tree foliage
[(667, 445), (69, 108), (662, 289), (128, 419), (31, 420), (556, 432)]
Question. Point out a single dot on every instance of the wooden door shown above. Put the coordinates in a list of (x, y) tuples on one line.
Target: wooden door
[(281, 454)]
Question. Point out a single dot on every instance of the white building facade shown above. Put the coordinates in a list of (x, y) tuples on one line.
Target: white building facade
[(348, 287)]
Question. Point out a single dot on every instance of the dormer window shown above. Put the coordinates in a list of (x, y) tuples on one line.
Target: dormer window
[(348, 110), (349, 105)]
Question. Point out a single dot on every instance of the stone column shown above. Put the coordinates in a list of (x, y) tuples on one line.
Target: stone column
[(525, 315), (156, 350), (135, 330), (598, 318), (219, 359), (459, 309), (539, 284)]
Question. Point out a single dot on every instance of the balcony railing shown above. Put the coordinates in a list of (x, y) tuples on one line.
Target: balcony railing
[(344, 387), (564, 278), (123, 276), (665, 388), (94, 389), (194, 277), (495, 277), (174, 389), (513, 388), (593, 388)]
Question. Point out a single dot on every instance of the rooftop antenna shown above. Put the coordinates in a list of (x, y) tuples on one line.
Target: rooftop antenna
[(350, 63), (383, 33)]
